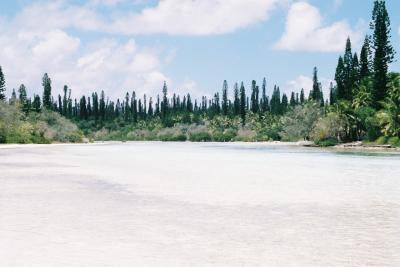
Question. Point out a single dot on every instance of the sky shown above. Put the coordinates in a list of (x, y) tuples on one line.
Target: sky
[(123, 45)]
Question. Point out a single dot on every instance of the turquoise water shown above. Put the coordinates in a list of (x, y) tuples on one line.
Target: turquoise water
[(184, 204)]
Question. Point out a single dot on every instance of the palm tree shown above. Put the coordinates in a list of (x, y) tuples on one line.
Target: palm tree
[(389, 116), (363, 96)]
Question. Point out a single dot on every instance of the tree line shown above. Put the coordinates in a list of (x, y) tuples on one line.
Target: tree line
[(132, 109)]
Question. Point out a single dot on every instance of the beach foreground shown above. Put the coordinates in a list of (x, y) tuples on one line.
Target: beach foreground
[(188, 204)]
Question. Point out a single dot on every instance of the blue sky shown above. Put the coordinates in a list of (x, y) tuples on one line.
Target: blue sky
[(125, 45)]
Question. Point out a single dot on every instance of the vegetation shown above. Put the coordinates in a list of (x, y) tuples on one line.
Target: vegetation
[(363, 104), (43, 127)]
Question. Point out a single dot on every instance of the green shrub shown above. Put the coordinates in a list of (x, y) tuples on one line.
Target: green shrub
[(299, 123), (141, 135), (372, 128), (21, 134), (246, 135), (382, 140), (367, 122), (327, 142), (227, 135), (329, 128), (200, 137), (55, 128), (394, 141), (199, 133), (270, 133), (171, 135)]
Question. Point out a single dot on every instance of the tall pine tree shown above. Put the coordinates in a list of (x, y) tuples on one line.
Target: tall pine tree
[(264, 98), (348, 71), (243, 104), (365, 59), (340, 79), (46, 82), (225, 98), (383, 51), (316, 92), (254, 97), (236, 101), (2, 85)]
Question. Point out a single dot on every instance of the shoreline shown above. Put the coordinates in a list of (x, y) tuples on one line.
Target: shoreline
[(341, 147), (272, 143)]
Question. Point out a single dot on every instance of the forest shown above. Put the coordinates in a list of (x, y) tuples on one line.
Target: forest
[(363, 105)]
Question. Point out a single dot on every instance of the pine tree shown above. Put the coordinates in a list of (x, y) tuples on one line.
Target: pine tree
[(332, 94), (140, 109), (196, 107), (276, 101), (127, 108), (70, 109), (60, 105), (264, 98), (164, 104), (216, 105), (134, 107), (83, 109), (243, 104), (321, 96), (284, 104), (348, 70), (13, 99), (36, 103), (151, 112), (292, 101), (89, 108), (225, 98), (95, 100), (236, 101), (118, 109), (316, 92), (46, 82), (158, 105), (23, 99), (189, 104), (355, 72), (254, 97), (22, 94), (2, 85), (144, 106), (340, 79), (102, 108), (383, 50), (365, 59), (302, 96), (64, 101)]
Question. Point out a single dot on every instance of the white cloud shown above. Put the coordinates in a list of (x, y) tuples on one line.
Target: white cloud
[(109, 65), (105, 2), (305, 31), (175, 17), (58, 15), (112, 3), (195, 17), (52, 46), (306, 83)]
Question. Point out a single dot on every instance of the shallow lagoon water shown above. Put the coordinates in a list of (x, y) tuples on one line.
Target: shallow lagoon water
[(186, 204)]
